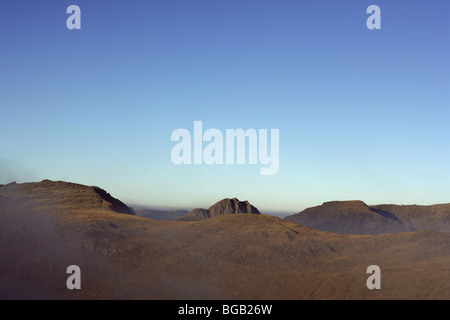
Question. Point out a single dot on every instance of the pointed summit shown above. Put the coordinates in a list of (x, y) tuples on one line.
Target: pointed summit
[(232, 206), (221, 208)]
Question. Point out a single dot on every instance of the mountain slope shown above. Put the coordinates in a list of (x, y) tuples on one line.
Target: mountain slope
[(348, 217), (161, 214), (355, 217), (435, 217), (62, 195), (235, 256)]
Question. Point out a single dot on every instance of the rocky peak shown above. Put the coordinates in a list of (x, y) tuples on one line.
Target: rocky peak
[(221, 208)]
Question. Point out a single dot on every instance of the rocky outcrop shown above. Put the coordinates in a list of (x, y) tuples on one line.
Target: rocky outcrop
[(221, 208)]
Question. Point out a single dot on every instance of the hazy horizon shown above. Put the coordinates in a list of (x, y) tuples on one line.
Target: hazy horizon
[(362, 114), (274, 211)]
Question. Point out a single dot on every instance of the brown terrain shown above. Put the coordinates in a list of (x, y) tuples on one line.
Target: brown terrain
[(47, 226), (355, 217), (161, 214)]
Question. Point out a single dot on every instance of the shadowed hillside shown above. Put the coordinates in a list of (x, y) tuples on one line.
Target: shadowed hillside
[(435, 217), (44, 229), (355, 217)]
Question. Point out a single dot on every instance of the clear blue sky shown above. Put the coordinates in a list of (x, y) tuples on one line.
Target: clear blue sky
[(363, 114)]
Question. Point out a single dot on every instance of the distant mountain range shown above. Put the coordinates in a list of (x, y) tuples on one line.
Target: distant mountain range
[(47, 226), (344, 217)]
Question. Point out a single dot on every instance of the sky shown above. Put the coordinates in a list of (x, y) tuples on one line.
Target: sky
[(362, 114)]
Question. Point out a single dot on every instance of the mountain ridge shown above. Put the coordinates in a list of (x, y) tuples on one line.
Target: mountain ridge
[(356, 217), (66, 194)]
